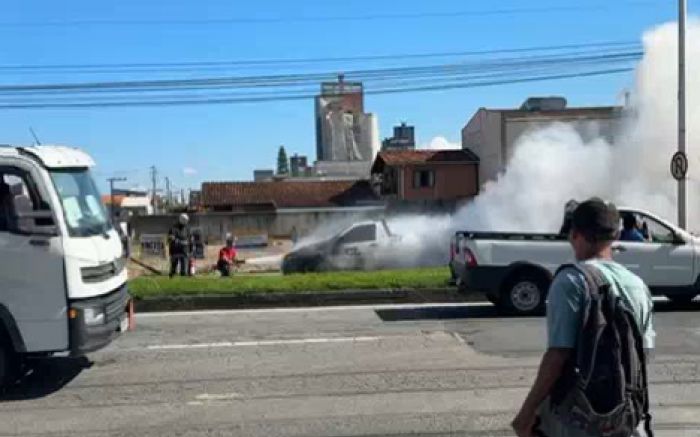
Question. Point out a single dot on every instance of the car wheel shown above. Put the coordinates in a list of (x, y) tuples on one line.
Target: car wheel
[(525, 295), (681, 299)]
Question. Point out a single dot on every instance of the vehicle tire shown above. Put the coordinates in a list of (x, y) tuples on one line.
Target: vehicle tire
[(9, 364), (681, 299), (524, 295)]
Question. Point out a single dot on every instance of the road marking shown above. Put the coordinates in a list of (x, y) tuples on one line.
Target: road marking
[(256, 343), (217, 396), (313, 309)]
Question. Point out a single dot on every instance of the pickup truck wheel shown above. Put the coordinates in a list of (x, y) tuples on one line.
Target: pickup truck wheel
[(525, 295), (9, 364)]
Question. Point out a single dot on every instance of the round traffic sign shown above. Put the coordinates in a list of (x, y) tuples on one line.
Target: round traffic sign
[(679, 166)]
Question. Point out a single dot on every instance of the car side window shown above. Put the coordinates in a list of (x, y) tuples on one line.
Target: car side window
[(654, 231), (361, 234)]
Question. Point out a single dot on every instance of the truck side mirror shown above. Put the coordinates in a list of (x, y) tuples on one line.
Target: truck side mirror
[(26, 218)]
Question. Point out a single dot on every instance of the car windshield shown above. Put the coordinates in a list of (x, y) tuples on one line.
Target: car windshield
[(84, 213)]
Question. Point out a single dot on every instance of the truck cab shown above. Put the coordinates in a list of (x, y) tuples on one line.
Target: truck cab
[(62, 262)]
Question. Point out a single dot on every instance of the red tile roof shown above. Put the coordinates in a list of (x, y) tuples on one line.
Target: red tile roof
[(286, 194), (404, 157)]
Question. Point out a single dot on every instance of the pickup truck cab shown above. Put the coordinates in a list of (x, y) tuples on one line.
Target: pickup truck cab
[(62, 262), (360, 246), (515, 269)]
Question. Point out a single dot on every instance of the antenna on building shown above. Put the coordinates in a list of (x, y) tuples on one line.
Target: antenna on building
[(36, 138)]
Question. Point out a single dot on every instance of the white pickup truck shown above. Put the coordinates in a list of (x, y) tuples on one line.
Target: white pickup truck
[(362, 246), (515, 269)]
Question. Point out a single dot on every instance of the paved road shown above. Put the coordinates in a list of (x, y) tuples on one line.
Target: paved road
[(399, 371)]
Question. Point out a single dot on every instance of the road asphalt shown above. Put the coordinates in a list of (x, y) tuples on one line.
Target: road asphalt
[(384, 370)]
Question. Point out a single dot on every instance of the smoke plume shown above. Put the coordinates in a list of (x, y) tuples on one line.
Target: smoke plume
[(554, 164)]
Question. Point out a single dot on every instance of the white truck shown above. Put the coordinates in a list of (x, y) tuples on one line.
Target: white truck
[(62, 263), (514, 270), (361, 246)]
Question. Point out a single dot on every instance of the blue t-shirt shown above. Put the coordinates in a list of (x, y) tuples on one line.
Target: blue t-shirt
[(567, 296), (631, 235)]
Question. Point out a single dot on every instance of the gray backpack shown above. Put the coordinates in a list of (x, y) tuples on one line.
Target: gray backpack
[(603, 389)]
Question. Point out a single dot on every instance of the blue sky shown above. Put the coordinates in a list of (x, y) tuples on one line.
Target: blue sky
[(226, 142)]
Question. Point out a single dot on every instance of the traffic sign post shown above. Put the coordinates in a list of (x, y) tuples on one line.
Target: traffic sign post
[(679, 166)]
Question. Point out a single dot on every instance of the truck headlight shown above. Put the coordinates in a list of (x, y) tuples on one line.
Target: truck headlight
[(94, 316)]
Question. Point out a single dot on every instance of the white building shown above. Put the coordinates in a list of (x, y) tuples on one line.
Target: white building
[(492, 133)]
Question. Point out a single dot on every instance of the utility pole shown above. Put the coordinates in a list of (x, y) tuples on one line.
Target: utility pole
[(682, 182), (111, 194), (168, 198), (154, 174)]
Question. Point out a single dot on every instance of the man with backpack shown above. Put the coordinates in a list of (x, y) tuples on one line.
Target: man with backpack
[(592, 380)]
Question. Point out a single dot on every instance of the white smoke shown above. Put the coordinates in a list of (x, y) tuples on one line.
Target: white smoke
[(554, 164)]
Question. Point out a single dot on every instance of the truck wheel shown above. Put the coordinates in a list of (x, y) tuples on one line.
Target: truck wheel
[(9, 365), (525, 295), (682, 298)]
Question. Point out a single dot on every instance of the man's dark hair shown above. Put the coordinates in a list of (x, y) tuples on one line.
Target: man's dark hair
[(596, 220), (629, 222)]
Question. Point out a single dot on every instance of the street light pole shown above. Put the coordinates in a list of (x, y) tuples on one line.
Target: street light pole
[(111, 195), (682, 182)]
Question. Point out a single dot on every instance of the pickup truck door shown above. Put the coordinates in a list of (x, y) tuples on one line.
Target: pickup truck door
[(355, 247), (662, 260)]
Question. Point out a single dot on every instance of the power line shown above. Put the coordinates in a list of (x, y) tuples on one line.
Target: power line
[(212, 101), (311, 78), (360, 17), (118, 67)]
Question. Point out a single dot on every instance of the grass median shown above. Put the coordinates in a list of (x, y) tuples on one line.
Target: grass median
[(422, 278)]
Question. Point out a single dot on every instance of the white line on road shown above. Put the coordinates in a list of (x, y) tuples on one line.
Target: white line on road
[(229, 344), (314, 309)]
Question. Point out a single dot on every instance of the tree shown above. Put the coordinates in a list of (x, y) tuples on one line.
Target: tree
[(282, 162)]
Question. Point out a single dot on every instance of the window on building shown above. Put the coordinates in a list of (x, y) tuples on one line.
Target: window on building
[(389, 182), (423, 178)]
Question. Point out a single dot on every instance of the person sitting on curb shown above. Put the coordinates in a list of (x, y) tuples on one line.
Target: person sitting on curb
[(227, 257)]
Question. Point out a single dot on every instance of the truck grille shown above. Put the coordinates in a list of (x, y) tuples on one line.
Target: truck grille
[(115, 304), (102, 272)]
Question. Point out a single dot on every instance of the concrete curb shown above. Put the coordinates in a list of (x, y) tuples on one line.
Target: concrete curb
[(282, 300)]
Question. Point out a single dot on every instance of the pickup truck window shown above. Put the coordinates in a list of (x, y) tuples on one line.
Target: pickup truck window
[(658, 233), (652, 230), (361, 234)]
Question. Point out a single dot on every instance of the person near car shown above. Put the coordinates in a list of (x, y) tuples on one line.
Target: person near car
[(630, 229), (227, 257), (594, 227), (179, 245)]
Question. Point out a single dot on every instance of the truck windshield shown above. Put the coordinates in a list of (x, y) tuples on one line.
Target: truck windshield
[(84, 213)]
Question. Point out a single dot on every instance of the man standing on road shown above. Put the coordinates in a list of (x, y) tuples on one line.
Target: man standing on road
[(594, 227), (179, 240)]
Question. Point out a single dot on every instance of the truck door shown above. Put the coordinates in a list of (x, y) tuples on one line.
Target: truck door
[(661, 260), (355, 246), (31, 267)]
